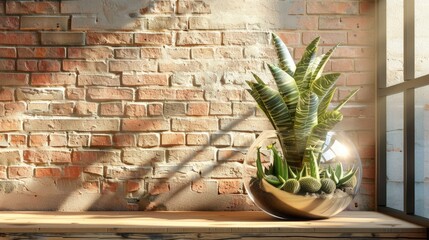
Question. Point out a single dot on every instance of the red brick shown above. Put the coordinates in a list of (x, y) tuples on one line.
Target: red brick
[(358, 79), (168, 139), (30, 7), (41, 52), (197, 139), (18, 172), (332, 7), (78, 140), (91, 186), (95, 170), (199, 186), (10, 125), (3, 172), (230, 187), (144, 125), (95, 53), (6, 94), (38, 140), (86, 108), (361, 38), (190, 94), (367, 7), (18, 38), (49, 65), (111, 109), (13, 79), (96, 156), (220, 108), (124, 140), (151, 52), (230, 155), (155, 109), (135, 110), (346, 23), (71, 124), (75, 93), (158, 188), (99, 80), (133, 186), (198, 109), (14, 108), (145, 80), (194, 124), (27, 65), (157, 39), (156, 94), (109, 94), (7, 65), (326, 38), (72, 172), (101, 141), (57, 140), (342, 65), (148, 140), (17, 140), (47, 172), (61, 109), (7, 52), (109, 187), (84, 66), (127, 53), (9, 23), (95, 38), (132, 65), (198, 38)]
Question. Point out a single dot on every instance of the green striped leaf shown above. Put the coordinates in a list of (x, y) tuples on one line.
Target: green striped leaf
[(318, 133), (287, 88), (305, 118), (318, 71), (345, 100), (254, 93), (324, 102), (285, 59), (302, 74)]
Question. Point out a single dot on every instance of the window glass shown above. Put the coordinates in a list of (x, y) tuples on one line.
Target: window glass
[(395, 151), (421, 121), (421, 38), (395, 42)]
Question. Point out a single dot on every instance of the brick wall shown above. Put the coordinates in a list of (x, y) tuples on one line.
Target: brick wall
[(142, 104)]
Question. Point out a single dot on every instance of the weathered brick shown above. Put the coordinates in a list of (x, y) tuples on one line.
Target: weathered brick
[(18, 172), (202, 53), (62, 38), (342, 65), (346, 23), (174, 109), (194, 124), (145, 79), (75, 93), (230, 187), (10, 125), (57, 140), (212, 23), (18, 38), (14, 79), (198, 6), (144, 125), (133, 65), (9, 157), (124, 140), (93, 52), (42, 172), (98, 80), (161, 6), (243, 139), (45, 156), (170, 23), (128, 172), (41, 52), (49, 65), (151, 52), (109, 94), (220, 108), (91, 186), (127, 53), (220, 140), (3, 171), (109, 187), (180, 66), (26, 65), (230, 155), (61, 109), (7, 65), (7, 52), (156, 94), (156, 39), (72, 172), (59, 23), (94, 170), (93, 125), (108, 38), (361, 38), (98, 140), (31, 7), (38, 140), (225, 170), (156, 188), (86, 157), (245, 38), (225, 95), (14, 108), (9, 23), (111, 109), (147, 140), (198, 38), (86, 108), (132, 186), (197, 139), (78, 140), (38, 107), (178, 53), (184, 155), (155, 109), (6, 94), (326, 38), (245, 109), (182, 80), (53, 79), (84, 66), (198, 109), (190, 94), (245, 125), (135, 110), (39, 94), (143, 157), (18, 140), (333, 7), (168, 139)]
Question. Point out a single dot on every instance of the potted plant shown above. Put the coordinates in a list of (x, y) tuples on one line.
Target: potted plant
[(295, 171)]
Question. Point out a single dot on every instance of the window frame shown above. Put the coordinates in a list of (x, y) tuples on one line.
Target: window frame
[(407, 87)]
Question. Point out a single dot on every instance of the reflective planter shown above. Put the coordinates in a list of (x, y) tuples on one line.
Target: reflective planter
[(281, 204)]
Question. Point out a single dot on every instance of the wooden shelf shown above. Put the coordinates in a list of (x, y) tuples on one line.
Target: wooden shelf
[(203, 225)]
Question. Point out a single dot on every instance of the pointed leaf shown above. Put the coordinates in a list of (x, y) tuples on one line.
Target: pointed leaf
[(347, 177), (260, 170), (273, 180), (325, 101), (318, 72), (301, 68), (339, 171), (345, 100), (322, 85), (286, 61), (305, 118), (292, 173)]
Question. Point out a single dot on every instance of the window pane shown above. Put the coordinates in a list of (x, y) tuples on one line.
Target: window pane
[(422, 151), (395, 151), (422, 38), (395, 42)]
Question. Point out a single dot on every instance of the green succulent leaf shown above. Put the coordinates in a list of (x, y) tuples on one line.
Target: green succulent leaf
[(333, 176), (305, 118), (345, 100), (255, 94), (260, 169), (314, 166), (292, 173), (325, 101), (286, 61), (302, 74), (339, 171), (347, 177), (322, 85), (273, 180), (318, 71)]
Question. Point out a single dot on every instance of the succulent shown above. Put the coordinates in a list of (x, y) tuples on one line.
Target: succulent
[(292, 186), (328, 185), (299, 110)]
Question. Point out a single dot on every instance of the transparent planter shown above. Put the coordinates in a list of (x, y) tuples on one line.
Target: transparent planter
[(281, 204)]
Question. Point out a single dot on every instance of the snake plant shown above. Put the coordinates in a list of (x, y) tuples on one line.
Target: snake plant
[(299, 110)]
